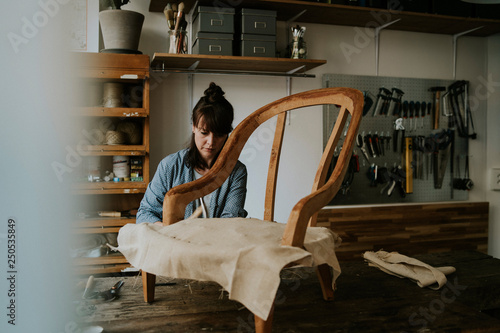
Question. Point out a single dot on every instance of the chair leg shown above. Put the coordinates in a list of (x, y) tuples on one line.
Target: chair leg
[(148, 286), (325, 279), (264, 326)]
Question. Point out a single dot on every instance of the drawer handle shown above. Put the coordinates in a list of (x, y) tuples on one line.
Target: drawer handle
[(216, 22), (214, 48), (260, 25), (259, 49)]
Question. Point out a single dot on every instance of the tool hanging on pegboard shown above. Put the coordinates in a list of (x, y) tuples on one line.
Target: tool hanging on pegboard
[(459, 102), (368, 102), (382, 104), (408, 163), (436, 104), (443, 142), (395, 102), (465, 183)]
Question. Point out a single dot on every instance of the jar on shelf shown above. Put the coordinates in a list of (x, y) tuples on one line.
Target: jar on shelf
[(178, 42), (299, 49)]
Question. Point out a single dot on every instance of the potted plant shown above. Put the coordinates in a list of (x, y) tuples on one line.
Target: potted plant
[(121, 29)]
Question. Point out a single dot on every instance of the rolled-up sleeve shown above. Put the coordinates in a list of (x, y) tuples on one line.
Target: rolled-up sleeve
[(229, 200), (151, 206)]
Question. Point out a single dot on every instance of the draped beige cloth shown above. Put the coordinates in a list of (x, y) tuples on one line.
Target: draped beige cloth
[(406, 267), (243, 255)]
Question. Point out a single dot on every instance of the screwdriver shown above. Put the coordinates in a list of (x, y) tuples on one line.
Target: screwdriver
[(424, 107), (417, 112), (405, 112), (412, 109)]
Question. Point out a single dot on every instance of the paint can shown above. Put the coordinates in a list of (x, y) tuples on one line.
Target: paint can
[(121, 167), (93, 168)]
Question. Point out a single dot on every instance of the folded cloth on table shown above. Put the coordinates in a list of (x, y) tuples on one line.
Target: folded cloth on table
[(406, 267)]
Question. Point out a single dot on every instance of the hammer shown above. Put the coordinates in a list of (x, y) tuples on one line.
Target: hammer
[(436, 93)]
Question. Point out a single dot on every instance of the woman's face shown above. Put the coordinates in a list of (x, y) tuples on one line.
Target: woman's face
[(207, 143)]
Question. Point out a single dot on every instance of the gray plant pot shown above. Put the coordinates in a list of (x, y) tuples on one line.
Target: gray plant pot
[(121, 29)]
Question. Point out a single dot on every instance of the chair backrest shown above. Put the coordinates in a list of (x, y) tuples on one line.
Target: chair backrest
[(350, 102)]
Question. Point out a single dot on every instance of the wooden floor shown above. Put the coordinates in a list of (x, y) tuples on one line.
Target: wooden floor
[(367, 300)]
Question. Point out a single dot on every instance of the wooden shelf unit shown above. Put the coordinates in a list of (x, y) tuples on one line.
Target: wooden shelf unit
[(323, 13), (98, 68)]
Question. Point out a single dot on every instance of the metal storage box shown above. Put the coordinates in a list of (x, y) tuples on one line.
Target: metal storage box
[(213, 43), (258, 21), (258, 45), (213, 19)]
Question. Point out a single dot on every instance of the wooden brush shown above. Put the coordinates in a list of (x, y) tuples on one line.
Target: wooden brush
[(180, 15), (169, 14)]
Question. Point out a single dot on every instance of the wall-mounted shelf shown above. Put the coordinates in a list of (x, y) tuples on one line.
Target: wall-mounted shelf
[(196, 63), (99, 111), (109, 187), (112, 150), (323, 13)]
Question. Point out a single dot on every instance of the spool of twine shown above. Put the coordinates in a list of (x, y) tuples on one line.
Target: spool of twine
[(104, 124), (112, 95), (97, 136), (115, 138), (134, 96), (94, 95), (131, 130)]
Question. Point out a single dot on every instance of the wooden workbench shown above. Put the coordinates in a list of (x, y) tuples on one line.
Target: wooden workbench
[(367, 300)]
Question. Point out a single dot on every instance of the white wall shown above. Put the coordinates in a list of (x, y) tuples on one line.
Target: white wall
[(348, 50), (493, 143)]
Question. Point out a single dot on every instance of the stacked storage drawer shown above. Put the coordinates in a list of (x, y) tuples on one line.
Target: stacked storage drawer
[(213, 30), (258, 33)]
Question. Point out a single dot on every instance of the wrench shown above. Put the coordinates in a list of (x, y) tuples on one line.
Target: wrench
[(361, 144)]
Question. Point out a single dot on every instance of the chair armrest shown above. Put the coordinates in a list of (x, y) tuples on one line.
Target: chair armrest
[(176, 200)]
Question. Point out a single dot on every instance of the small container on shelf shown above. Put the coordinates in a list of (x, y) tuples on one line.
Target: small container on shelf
[(178, 42), (258, 45), (213, 43)]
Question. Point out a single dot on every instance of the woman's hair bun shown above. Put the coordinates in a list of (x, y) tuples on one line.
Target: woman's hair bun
[(213, 93)]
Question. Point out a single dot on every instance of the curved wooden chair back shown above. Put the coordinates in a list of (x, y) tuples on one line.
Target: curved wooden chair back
[(303, 213)]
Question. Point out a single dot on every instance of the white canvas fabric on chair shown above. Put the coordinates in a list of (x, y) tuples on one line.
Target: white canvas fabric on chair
[(243, 255)]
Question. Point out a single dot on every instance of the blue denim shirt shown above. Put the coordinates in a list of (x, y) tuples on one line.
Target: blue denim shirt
[(227, 201)]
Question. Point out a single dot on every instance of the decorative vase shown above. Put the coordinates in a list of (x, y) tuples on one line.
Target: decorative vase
[(121, 30)]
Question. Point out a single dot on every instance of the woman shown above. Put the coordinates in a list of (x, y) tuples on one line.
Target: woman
[(212, 119)]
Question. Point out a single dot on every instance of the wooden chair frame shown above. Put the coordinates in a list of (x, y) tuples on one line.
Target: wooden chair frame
[(304, 212)]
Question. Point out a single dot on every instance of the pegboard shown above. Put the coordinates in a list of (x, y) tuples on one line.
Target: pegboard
[(362, 190)]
